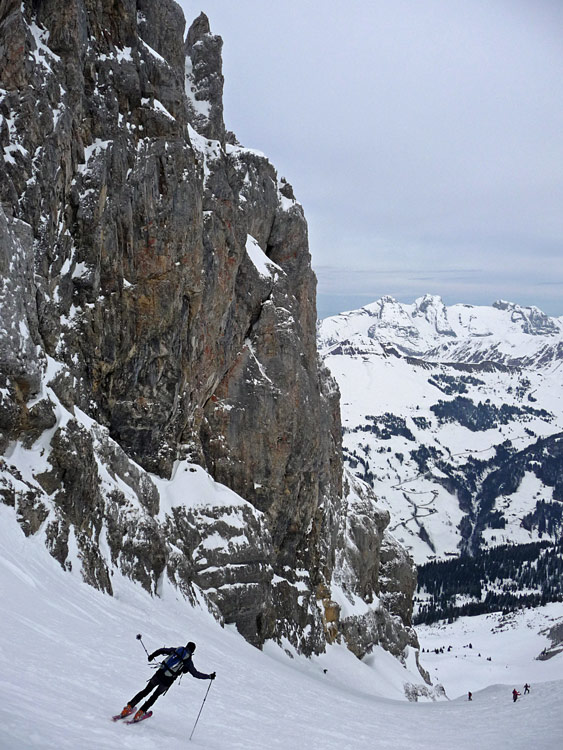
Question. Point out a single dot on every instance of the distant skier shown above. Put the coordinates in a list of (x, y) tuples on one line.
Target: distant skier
[(526, 688), (179, 662), (515, 695), (469, 696)]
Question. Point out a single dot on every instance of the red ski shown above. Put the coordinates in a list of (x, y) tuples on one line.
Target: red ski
[(143, 717), (122, 715)]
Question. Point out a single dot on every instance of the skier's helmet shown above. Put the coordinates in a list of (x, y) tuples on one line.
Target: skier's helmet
[(190, 646)]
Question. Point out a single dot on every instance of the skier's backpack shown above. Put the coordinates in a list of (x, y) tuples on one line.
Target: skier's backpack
[(173, 664)]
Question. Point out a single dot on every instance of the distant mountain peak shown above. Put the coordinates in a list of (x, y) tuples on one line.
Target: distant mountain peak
[(504, 332), (534, 322), (435, 312)]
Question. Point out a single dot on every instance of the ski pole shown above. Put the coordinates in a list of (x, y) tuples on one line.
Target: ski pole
[(140, 638), (201, 709)]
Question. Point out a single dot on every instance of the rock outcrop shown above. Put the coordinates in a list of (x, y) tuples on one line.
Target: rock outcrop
[(158, 329)]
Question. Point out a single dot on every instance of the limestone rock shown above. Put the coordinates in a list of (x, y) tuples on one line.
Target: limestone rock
[(158, 316), (204, 79)]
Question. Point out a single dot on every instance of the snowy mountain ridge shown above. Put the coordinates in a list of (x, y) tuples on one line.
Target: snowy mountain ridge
[(504, 333), (454, 416)]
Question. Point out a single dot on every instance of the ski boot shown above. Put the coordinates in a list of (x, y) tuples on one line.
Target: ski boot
[(127, 711)]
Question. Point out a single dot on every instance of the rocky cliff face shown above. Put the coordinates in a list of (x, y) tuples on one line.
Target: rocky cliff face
[(157, 323)]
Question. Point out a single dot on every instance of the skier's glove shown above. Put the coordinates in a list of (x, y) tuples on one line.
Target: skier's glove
[(212, 676), (151, 657)]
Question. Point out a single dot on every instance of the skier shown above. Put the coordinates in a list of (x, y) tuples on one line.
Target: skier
[(179, 661), (470, 696), (526, 688), (515, 695)]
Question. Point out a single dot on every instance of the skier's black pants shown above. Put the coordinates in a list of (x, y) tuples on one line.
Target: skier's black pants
[(156, 681)]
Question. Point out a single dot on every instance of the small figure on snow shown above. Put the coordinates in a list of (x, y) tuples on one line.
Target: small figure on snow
[(526, 688), (515, 695), (179, 662), (470, 696)]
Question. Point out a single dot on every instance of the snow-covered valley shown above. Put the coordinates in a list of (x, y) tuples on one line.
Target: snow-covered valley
[(454, 416)]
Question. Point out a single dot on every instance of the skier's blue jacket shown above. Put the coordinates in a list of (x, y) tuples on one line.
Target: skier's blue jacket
[(179, 661)]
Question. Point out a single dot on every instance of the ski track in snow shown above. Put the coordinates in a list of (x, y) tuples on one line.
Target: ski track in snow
[(69, 660)]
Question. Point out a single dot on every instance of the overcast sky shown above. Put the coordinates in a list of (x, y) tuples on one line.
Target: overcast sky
[(424, 139)]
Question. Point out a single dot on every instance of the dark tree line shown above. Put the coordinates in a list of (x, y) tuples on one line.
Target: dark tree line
[(547, 518), (502, 578), (482, 415)]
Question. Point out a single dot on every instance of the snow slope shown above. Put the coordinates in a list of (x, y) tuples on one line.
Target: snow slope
[(491, 648), (69, 659)]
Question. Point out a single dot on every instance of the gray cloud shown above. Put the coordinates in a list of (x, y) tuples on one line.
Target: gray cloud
[(418, 136)]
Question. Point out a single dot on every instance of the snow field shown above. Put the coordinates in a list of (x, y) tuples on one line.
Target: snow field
[(69, 659), (512, 642)]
